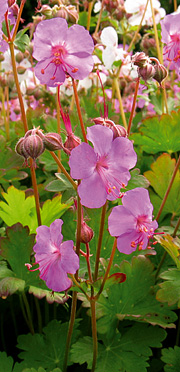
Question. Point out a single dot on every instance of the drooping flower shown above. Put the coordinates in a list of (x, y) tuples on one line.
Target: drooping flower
[(136, 8), (62, 51), (132, 222), (104, 169), (170, 31), (55, 258)]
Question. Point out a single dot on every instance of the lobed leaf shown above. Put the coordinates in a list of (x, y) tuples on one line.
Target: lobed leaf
[(170, 289), (172, 359)]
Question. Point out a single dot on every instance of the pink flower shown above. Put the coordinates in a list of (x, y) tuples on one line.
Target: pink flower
[(132, 222), (3, 8), (62, 51), (55, 258), (170, 27), (103, 170)]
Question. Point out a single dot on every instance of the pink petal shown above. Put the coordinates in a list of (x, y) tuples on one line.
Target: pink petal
[(121, 221), (92, 192), (122, 150), (69, 259), (84, 65), (138, 202), (82, 161), (57, 278), (124, 242), (55, 231), (79, 41), (50, 71), (101, 138)]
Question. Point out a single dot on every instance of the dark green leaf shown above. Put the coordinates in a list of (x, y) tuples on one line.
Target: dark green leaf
[(170, 289), (172, 359)]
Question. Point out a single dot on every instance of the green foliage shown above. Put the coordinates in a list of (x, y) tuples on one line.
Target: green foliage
[(134, 299), (159, 178), (172, 359), (158, 135), (21, 209), (46, 349), (9, 163), (137, 180), (128, 351), (6, 362), (22, 40), (170, 289), (172, 247)]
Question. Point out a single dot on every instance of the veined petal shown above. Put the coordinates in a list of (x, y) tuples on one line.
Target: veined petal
[(69, 259), (121, 221), (79, 40), (138, 202), (50, 71), (50, 32), (84, 65), (92, 191), (122, 153), (124, 242), (101, 138), (55, 232), (82, 161), (57, 278)]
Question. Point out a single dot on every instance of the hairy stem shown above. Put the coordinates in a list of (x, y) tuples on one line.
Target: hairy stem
[(120, 103), (133, 106), (36, 194), (101, 229), (79, 110), (94, 333)]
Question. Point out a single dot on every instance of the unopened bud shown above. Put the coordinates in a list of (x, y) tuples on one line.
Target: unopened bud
[(20, 148), (1, 57), (21, 70), (140, 59), (19, 57), (34, 131), (146, 72), (73, 15), (46, 10), (160, 73), (86, 233), (118, 130), (148, 42), (33, 146), (52, 141), (71, 142)]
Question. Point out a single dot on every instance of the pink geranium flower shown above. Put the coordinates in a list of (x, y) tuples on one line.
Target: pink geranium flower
[(170, 27), (3, 8), (62, 51), (103, 170), (55, 258), (132, 222)]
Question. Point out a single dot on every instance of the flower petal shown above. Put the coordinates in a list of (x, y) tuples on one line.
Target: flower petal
[(82, 161), (55, 231), (92, 191), (50, 70), (101, 138), (121, 221), (79, 40), (137, 201), (69, 259)]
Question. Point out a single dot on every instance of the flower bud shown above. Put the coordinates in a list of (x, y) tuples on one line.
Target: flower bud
[(140, 59), (21, 70), (19, 57), (20, 148), (118, 130), (46, 10), (146, 72), (34, 131), (160, 73), (1, 57), (86, 233), (71, 142), (33, 146), (52, 141)]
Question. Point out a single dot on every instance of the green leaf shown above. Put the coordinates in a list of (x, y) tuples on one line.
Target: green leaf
[(134, 299), (137, 180), (61, 184), (158, 135), (21, 209), (6, 362), (171, 245), (22, 40), (172, 359), (159, 178), (170, 289), (127, 352), (18, 208), (40, 293), (46, 349)]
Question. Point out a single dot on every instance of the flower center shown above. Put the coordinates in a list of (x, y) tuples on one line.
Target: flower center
[(143, 227), (112, 184), (59, 52), (175, 38)]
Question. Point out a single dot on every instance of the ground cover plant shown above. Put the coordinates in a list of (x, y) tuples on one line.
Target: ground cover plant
[(89, 186)]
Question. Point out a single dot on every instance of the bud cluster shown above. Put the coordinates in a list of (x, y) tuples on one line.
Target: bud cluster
[(147, 69), (68, 12), (33, 144)]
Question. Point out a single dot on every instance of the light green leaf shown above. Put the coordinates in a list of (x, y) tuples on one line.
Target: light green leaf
[(172, 359), (170, 289), (159, 178), (158, 135), (22, 40), (171, 245)]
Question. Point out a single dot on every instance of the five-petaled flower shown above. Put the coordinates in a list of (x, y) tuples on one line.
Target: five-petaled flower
[(62, 51), (132, 222), (55, 258), (170, 31), (103, 170)]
